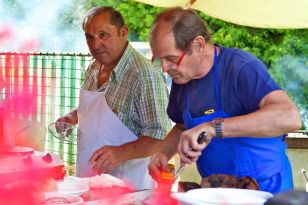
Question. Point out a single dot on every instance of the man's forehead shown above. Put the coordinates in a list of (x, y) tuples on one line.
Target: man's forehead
[(164, 37), (164, 45), (98, 22), (162, 30), (163, 27)]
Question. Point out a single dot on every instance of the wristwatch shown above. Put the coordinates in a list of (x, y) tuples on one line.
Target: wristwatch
[(217, 124)]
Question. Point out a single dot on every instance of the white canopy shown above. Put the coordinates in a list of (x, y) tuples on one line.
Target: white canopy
[(285, 14)]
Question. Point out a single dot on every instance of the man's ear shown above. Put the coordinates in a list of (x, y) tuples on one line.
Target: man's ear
[(198, 44), (124, 31)]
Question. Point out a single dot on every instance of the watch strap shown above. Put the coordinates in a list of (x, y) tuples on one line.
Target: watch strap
[(218, 124)]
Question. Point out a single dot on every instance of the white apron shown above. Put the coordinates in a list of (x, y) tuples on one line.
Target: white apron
[(99, 126)]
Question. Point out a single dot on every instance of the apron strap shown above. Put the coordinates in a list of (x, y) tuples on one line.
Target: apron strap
[(216, 79)]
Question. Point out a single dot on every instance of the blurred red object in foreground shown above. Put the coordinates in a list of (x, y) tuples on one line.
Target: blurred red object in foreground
[(2, 82), (162, 195), (22, 192), (30, 45), (6, 35)]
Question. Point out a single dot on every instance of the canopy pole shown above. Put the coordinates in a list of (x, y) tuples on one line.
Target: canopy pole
[(189, 4)]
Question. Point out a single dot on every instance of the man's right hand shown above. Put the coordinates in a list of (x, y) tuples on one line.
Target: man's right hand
[(63, 128), (65, 119), (70, 118), (158, 162)]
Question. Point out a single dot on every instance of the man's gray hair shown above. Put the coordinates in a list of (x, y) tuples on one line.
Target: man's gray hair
[(185, 24)]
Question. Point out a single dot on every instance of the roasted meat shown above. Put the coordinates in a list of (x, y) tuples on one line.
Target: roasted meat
[(221, 180), (247, 183), (185, 186)]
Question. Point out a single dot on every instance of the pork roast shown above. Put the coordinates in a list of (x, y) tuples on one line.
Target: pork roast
[(221, 180)]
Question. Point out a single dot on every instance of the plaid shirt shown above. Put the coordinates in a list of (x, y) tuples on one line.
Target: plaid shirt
[(136, 92)]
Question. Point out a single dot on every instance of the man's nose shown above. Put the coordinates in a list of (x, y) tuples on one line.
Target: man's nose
[(96, 43), (164, 67)]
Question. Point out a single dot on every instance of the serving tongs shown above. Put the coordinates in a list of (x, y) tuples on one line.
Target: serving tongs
[(304, 173), (202, 137)]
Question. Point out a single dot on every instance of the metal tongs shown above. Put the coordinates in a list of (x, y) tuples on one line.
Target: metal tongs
[(304, 173), (202, 137)]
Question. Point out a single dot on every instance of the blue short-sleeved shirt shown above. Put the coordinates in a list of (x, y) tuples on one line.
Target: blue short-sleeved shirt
[(243, 82)]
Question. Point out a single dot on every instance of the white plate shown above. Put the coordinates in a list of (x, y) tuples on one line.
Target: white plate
[(72, 199), (226, 196), (72, 186)]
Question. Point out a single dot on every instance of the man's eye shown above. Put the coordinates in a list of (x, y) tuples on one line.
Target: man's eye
[(103, 35), (172, 59), (88, 37)]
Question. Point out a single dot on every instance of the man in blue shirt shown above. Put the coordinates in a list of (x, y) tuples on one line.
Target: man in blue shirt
[(226, 93)]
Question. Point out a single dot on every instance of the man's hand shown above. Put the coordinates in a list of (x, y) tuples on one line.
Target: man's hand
[(158, 162), (106, 159), (70, 117), (66, 119), (64, 124), (188, 148)]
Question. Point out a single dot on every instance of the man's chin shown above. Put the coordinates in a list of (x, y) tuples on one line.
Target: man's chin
[(101, 60), (179, 80)]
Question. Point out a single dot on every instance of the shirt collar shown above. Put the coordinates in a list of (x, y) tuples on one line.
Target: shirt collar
[(118, 70)]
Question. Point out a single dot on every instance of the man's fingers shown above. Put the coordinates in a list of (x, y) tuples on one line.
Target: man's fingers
[(199, 147), (159, 162), (105, 166), (155, 171), (184, 150), (190, 153), (185, 158), (110, 168), (95, 156), (100, 164)]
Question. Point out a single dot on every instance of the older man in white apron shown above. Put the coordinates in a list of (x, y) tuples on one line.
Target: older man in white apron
[(105, 128), (121, 112)]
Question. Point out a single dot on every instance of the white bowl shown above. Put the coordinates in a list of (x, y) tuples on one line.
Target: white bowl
[(218, 196), (51, 198), (71, 186)]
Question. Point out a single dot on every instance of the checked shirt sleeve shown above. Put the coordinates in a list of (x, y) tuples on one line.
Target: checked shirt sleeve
[(152, 101)]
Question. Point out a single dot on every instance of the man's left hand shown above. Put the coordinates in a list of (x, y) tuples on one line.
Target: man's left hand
[(188, 147), (106, 159)]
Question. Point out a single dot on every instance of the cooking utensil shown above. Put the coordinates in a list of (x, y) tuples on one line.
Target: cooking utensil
[(64, 131), (202, 137), (177, 173), (304, 173), (306, 178)]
